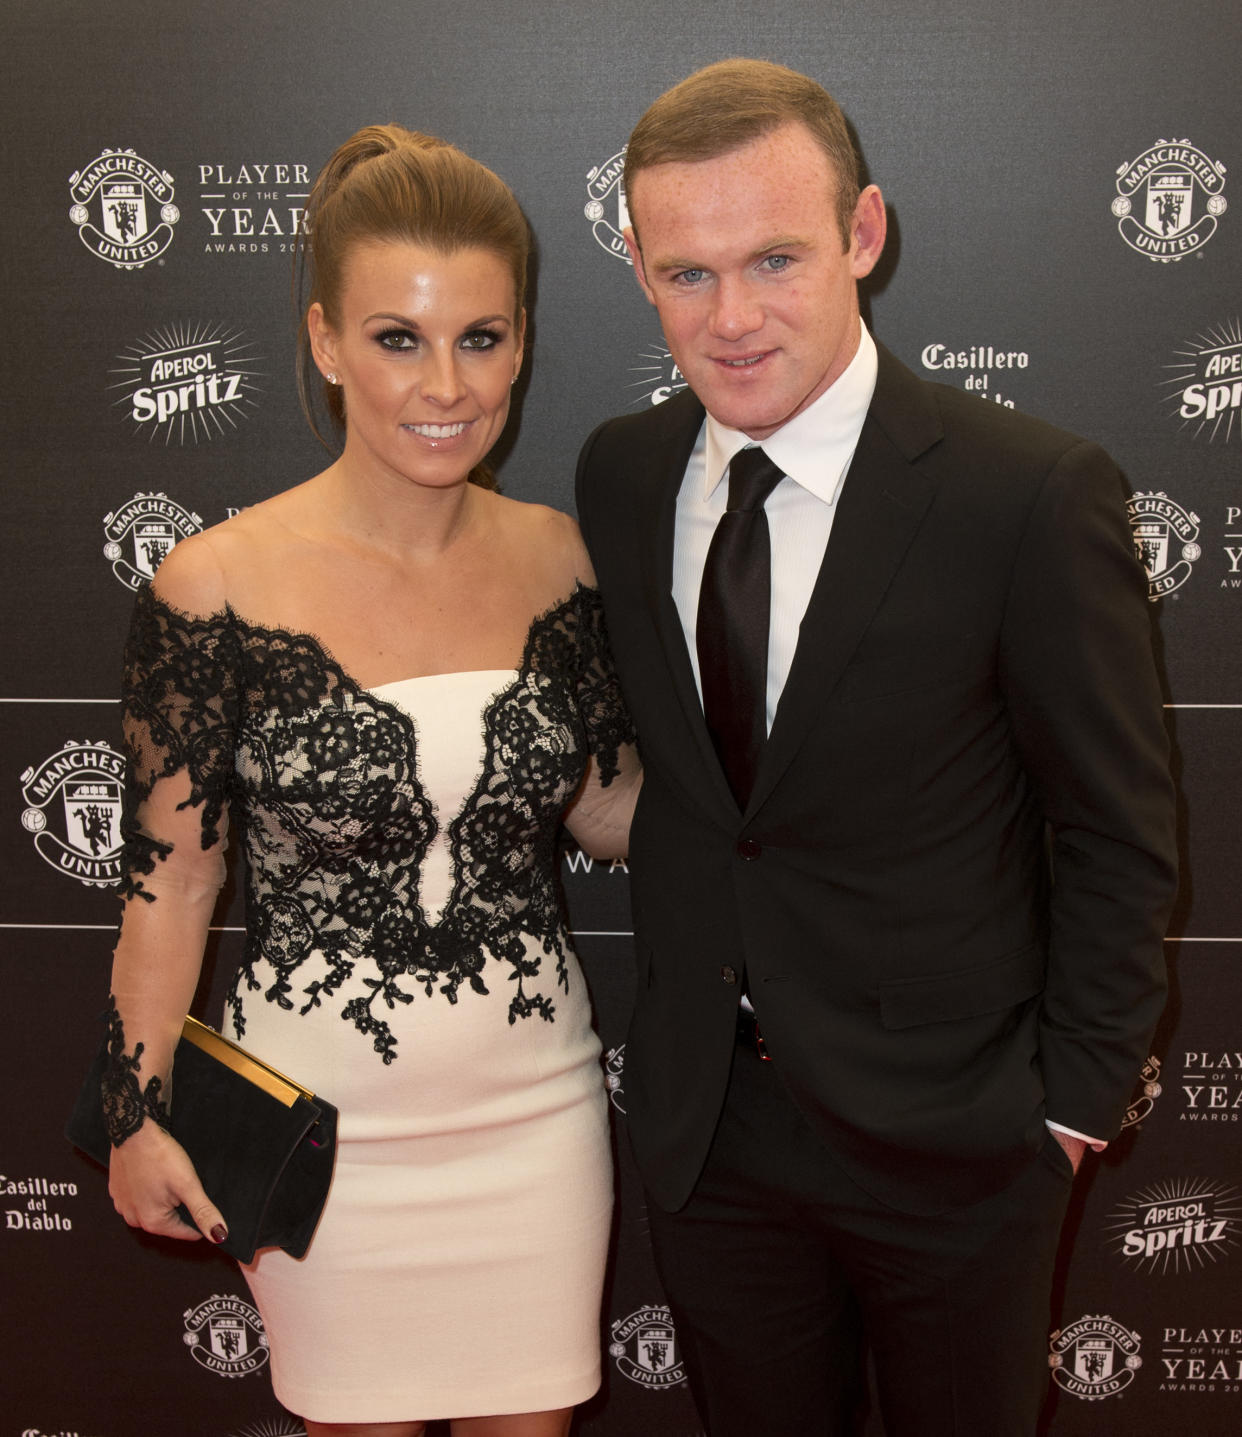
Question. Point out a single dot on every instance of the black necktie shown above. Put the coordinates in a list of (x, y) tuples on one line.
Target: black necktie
[(732, 630)]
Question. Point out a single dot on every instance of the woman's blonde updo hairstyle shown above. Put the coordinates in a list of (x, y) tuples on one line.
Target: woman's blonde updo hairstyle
[(390, 183)]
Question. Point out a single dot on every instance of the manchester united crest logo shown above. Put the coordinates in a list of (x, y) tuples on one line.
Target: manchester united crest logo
[(140, 534), (1094, 1358), (606, 208), (644, 1347), (1149, 1090), (123, 208), (1166, 540), (225, 1335), (1169, 201), (81, 834)]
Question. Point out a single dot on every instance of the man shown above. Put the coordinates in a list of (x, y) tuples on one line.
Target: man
[(904, 851)]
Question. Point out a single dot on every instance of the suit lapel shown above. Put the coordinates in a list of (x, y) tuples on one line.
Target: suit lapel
[(683, 418), (881, 506)]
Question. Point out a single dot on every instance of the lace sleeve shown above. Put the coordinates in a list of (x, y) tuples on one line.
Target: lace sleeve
[(179, 713), (603, 710)]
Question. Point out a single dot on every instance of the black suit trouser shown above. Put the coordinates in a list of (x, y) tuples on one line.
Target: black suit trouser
[(780, 1265)]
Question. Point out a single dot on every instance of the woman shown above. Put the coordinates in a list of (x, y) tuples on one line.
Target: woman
[(395, 680)]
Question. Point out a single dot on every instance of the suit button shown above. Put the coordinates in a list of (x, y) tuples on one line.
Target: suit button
[(749, 848), (729, 974)]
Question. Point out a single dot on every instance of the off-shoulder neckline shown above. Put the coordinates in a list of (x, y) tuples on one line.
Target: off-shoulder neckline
[(228, 614)]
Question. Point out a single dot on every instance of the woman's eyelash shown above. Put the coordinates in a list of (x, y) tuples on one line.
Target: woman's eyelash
[(387, 336), (405, 339)]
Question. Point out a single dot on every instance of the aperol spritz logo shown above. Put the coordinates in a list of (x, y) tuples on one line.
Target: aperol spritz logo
[(1177, 1226), (273, 1427), (1169, 202), (186, 382), (123, 208), (1204, 383), (658, 376)]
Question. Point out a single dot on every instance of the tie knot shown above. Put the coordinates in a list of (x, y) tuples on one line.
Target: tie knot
[(752, 477)]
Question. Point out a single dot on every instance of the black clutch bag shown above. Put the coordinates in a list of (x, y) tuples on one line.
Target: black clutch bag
[(263, 1145)]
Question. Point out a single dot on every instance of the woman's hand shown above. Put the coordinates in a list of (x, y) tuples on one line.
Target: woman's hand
[(149, 1175), (599, 817)]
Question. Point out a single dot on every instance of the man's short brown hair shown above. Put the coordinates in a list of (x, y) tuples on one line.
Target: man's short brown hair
[(730, 104)]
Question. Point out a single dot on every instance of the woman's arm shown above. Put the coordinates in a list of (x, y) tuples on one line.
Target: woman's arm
[(180, 703), (155, 970)]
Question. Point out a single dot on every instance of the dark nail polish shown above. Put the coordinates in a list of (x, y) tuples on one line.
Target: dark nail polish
[(219, 1232)]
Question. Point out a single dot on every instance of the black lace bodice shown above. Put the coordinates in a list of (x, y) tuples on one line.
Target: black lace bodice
[(322, 778)]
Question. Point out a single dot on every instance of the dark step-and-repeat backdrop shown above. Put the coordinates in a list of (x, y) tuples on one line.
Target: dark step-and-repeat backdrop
[(1065, 239)]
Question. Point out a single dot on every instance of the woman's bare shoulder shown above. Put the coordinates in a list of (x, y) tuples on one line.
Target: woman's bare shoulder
[(205, 572), (191, 578), (553, 541)]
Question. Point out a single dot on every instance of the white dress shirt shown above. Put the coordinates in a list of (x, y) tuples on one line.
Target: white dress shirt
[(814, 450)]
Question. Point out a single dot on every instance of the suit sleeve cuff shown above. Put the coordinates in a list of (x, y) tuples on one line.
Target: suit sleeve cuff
[(1095, 1144)]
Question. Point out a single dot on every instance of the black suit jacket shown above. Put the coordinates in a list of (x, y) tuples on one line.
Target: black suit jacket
[(950, 887)]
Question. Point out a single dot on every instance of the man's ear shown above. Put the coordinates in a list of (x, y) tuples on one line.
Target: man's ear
[(868, 226), (636, 259)]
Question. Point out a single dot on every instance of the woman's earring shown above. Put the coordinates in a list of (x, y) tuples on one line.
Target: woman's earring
[(331, 378)]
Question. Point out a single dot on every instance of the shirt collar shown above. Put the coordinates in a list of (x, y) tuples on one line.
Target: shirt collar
[(816, 446)]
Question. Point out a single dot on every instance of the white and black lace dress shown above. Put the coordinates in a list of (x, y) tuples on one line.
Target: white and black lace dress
[(406, 957)]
